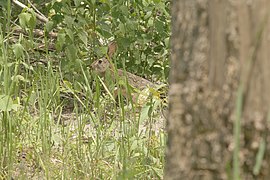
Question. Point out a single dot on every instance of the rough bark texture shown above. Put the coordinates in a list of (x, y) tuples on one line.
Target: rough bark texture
[(254, 54), (218, 46)]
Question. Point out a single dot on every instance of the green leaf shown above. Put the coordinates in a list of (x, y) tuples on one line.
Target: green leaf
[(27, 66), (124, 10), (6, 103), (19, 78), (159, 172), (159, 26), (144, 113), (27, 20), (122, 28), (104, 33), (134, 145), (167, 42), (70, 34), (105, 1), (148, 14), (77, 2), (24, 19), (18, 50), (71, 52), (150, 22), (69, 21), (32, 21), (49, 26), (61, 39), (3, 4), (132, 25), (83, 37)]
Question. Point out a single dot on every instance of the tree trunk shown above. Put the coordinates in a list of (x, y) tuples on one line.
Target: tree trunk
[(218, 102)]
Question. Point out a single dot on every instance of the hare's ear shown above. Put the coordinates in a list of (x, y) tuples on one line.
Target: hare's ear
[(112, 47)]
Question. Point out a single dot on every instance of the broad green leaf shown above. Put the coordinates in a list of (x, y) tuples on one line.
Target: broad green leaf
[(167, 42), (105, 1), (18, 50), (61, 39), (145, 3), (132, 25), (134, 145), (158, 171), (150, 22), (159, 26), (3, 4), (71, 52), (6, 103), (18, 78), (104, 33), (69, 21), (148, 15), (122, 28), (49, 26), (77, 2), (24, 19), (70, 34), (32, 21), (27, 66), (144, 113), (124, 10), (83, 37)]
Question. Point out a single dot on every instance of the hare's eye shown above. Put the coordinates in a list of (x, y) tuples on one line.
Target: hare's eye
[(99, 61)]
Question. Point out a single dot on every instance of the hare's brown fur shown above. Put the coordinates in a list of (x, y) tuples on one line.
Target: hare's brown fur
[(103, 66)]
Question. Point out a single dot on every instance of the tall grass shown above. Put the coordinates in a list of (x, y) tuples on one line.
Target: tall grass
[(57, 128)]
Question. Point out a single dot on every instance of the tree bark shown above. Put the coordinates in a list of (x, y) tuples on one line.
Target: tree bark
[(219, 48)]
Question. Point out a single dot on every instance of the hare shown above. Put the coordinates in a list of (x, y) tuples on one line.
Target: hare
[(104, 68)]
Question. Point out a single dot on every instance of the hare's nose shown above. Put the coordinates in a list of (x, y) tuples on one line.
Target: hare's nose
[(92, 66)]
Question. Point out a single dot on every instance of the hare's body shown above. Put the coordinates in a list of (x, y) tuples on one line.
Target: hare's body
[(106, 70), (135, 81), (103, 67)]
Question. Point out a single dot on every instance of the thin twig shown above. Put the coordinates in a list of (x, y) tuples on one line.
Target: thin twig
[(38, 33), (41, 18), (36, 9)]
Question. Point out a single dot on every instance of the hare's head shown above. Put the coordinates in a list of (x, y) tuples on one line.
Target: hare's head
[(103, 64), (100, 66)]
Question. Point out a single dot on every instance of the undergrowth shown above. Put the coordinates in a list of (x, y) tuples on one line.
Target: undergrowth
[(58, 122)]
